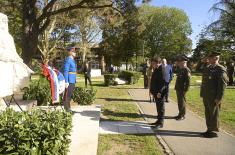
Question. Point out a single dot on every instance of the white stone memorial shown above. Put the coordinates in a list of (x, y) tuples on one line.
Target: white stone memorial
[(15, 75)]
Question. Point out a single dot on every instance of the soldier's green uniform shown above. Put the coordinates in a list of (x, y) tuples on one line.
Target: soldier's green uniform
[(214, 81), (181, 87)]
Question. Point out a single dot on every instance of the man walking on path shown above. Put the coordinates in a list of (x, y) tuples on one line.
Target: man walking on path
[(182, 86), (157, 89), (87, 73), (214, 80), (70, 71), (167, 75)]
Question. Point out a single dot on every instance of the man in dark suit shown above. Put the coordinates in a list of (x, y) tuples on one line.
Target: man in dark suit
[(157, 89)]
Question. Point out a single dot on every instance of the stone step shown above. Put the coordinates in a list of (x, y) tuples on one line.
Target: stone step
[(26, 105), (85, 130)]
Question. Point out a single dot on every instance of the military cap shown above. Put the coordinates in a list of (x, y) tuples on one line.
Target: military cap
[(72, 48), (183, 58), (214, 54)]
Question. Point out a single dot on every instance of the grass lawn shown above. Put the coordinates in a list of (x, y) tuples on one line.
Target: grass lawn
[(117, 105), (128, 145), (194, 102)]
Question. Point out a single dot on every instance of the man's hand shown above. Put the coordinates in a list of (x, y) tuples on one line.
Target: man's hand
[(217, 102), (66, 85), (158, 95)]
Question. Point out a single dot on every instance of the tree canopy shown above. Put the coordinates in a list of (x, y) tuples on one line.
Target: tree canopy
[(166, 31)]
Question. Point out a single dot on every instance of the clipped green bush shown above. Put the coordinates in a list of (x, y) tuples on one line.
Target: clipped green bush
[(83, 96), (39, 90), (109, 79), (37, 133), (131, 77)]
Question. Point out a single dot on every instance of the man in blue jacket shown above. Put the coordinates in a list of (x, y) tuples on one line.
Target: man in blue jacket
[(167, 75), (70, 70)]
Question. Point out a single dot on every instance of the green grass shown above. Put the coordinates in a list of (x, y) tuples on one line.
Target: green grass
[(116, 103), (194, 103), (128, 145)]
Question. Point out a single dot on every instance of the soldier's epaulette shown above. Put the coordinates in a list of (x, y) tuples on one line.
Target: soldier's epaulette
[(220, 68)]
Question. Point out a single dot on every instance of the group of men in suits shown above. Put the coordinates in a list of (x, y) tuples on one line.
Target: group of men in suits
[(214, 80)]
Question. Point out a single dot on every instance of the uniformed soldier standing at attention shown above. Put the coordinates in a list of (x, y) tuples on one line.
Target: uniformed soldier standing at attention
[(214, 80), (70, 71), (182, 85)]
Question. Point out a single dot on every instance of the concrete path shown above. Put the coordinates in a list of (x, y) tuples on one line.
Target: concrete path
[(124, 127), (183, 137), (85, 130)]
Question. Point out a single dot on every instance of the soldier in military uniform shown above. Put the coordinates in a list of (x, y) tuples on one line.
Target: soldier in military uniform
[(70, 71), (182, 85), (214, 81)]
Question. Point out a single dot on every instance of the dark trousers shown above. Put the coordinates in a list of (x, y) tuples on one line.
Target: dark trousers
[(181, 102), (211, 114), (230, 76), (67, 96), (160, 108), (145, 81), (89, 80), (167, 90)]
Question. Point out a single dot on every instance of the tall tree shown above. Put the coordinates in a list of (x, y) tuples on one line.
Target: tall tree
[(166, 31), (121, 34)]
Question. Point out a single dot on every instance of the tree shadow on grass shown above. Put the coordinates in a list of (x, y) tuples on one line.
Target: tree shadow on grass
[(123, 99), (107, 112), (98, 85)]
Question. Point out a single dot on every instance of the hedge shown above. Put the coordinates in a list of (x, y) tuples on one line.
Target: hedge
[(131, 77), (37, 133), (109, 79), (83, 96), (39, 90)]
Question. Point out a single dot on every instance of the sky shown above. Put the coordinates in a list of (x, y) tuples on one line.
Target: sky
[(197, 11)]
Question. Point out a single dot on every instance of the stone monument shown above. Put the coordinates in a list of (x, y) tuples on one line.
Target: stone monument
[(15, 75)]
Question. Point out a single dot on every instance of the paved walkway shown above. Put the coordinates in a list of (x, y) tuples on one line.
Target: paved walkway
[(125, 127), (85, 130), (183, 137)]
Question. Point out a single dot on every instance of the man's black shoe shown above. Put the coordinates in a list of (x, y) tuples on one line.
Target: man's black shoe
[(167, 101), (179, 118), (155, 123), (209, 134)]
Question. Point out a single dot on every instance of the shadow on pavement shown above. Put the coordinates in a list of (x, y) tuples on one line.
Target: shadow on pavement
[(178, 133)]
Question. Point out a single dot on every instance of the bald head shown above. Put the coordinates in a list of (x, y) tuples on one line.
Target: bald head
[(164, 61)]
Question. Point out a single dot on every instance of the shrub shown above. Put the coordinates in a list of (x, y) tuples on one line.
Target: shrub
[(131, 77), (38, 133), (84, 96), (109, 79), (38, 90)]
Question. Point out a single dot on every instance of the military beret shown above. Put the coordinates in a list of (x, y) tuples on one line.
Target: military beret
[(212, 54)]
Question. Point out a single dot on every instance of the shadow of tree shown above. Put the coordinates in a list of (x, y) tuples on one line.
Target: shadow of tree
[(122, 99), (178, 133), (107, 112)]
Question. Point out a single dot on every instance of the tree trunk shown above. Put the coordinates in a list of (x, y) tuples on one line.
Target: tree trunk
[(30, 31), (126, 64)]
